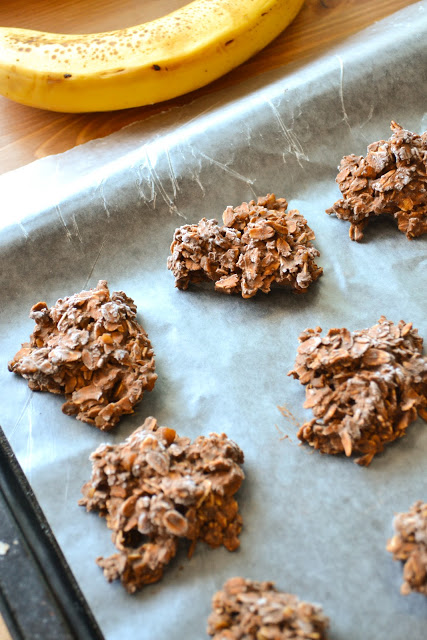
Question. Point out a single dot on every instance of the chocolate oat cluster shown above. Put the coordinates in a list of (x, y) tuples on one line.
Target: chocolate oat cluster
[(390, 180), (249, 610), (364, 387), (155, 488), (259, 244), (90, 347), (409, 545)]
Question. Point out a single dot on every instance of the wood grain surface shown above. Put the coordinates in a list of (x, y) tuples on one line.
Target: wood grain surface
[(27, 133)]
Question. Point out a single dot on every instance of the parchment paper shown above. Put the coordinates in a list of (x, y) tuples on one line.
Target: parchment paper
[(316, 525)]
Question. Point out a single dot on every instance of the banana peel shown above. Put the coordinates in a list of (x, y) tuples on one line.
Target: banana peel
[(140, 65)]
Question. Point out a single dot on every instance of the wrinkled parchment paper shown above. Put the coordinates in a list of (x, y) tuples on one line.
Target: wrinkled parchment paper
[(314, 524)]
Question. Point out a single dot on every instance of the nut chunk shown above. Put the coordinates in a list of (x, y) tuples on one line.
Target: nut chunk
[(89, 347), (390, 180), (249, 610), (410, 545), (364, 387), (260, 244), (155, 488)]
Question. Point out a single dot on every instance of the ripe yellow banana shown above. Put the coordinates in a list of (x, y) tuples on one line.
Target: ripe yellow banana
[(140, 65)]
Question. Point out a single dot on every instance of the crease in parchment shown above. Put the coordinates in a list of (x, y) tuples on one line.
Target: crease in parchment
[(18, 421), (248, 181), (100, 189), (61, 218), (365, 122), (294, 144), (71, 237), (173, 177), (368, 117), (341, 93), (76, 227), (157, 182), (24, 231), (192, 172), (140, 181), (92, 269)]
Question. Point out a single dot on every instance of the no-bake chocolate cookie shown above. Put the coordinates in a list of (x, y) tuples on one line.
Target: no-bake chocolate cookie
[(409, 544), (364, 387), (249, 610), (390, 180), (90, 347), (259, 244), (157, 487)]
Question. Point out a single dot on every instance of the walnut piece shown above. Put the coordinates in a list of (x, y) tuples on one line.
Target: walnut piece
[(155, 488), (391, 180), (410, 545), (364, 387), (89, 347), (260, 244), (250, 610)]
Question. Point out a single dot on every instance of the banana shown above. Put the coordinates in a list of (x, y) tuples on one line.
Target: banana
[(141, 65)]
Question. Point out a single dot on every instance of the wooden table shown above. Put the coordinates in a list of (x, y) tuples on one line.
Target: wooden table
[(27, 133)]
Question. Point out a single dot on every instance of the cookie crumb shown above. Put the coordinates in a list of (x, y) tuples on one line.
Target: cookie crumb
[(4, 548)]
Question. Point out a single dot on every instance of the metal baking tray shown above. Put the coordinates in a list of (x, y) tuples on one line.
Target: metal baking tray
[(39, 596)]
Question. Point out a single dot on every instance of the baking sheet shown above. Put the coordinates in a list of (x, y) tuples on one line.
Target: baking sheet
[(314, 524)]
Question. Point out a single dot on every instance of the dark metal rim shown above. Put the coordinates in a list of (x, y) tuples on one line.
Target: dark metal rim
[(39, 596)]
